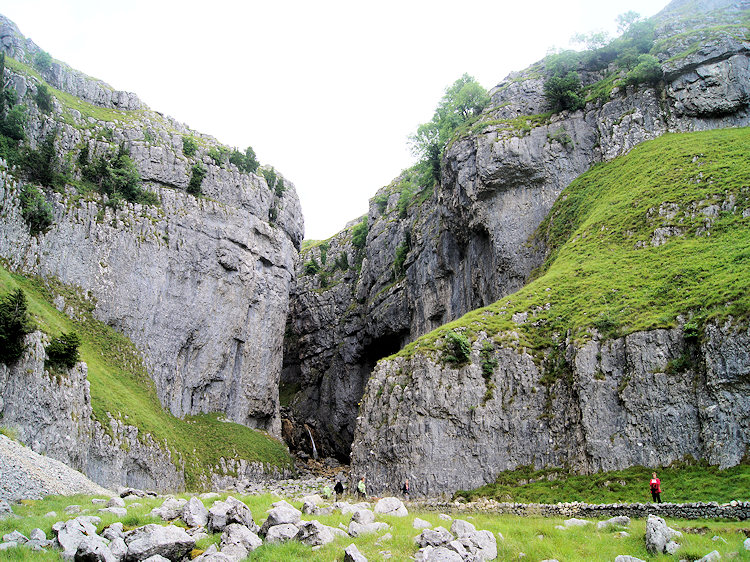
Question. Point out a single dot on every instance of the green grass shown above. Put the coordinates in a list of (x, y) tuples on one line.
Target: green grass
[(536, 537), (603, 271), (681, 483), (121, 387), (70, 101)]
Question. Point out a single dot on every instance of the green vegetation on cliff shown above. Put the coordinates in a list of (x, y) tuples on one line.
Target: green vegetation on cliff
[(121, 388), (650, 239)]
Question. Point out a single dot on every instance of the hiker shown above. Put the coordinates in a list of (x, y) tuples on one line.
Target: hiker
[(326, 491), (338, 489), (361, 490), (655, 487), (405, 489)]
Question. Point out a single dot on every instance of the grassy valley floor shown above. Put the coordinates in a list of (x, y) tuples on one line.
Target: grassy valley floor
[(537, 538)]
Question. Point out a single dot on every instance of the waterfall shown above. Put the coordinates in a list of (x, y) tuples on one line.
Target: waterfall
[(315, 451)]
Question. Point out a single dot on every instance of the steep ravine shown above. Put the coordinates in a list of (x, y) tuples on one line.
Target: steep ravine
[(468, 242)]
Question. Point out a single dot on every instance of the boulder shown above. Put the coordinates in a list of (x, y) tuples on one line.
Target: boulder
[(422, 524), (113, 531), (115, 501), (156, 558), (746, 544), (459, 549), (314, 533), (439, 554), (235, 533), (280, 515), (712, 556), (352, 554), (168, 541), (659, 536), (230, 511), (118, 548), (364, 516), (439, 536), (94, 549), (460, 527), (391, 506), (37, 535), (117, 511), (5, 509), (314, 499), (283, 532), (169, 510), (309, 508), (357, 529), (16, 536), (573, 522), (70, 534), (194, 513), (619, 521), (481, 544)]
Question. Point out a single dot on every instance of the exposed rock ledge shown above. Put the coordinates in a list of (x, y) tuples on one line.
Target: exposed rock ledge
[(619, 407)]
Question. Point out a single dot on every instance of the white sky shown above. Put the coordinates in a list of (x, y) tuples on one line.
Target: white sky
[(325, 91)]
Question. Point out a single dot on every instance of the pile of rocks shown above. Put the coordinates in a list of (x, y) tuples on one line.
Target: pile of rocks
[(78, 538), (462, 543)]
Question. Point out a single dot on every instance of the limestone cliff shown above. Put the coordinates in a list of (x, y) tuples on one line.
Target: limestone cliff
[(200, 285), (467, 244)]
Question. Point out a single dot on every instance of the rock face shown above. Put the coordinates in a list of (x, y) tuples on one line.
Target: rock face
[(431, 423), (465, 246), (53, 416), (230, 255)]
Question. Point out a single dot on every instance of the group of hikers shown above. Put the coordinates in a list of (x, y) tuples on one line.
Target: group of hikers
[(654, 486), (338, 489)]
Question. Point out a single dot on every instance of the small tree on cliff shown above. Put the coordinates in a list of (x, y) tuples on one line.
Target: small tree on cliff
[(15, 323), (463, 100)]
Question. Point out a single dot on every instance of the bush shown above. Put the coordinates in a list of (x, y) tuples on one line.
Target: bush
[(311, 267), (189, 146), (219, 154), (13, 123), (359, 234), (63, 351), (43, 98), (457, 349), (36, 211), (15, 323), (564, 92), (115, 176), (43, 60), (42, 165), (647, 71), (400, 258), (245, 162), (198, 172)]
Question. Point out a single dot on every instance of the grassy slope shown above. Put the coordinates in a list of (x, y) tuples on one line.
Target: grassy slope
[(604, 273), (520, 534), (121, 387)]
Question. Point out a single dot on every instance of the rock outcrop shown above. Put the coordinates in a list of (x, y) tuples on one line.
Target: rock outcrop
[(429, 258), (200, 285), (423, 420)]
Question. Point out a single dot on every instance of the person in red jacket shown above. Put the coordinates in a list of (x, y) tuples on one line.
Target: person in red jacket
[(655, 486)]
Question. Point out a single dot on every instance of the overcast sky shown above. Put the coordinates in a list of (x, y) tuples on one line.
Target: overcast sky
[(326, 91)]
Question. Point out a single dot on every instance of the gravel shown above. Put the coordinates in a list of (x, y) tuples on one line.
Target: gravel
[(25, 474)]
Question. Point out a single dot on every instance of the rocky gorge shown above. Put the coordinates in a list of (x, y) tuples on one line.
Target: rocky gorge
[(319, 342), (471, 242)]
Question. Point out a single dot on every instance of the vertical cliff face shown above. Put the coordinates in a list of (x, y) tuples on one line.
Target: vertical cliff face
[(468, 243), (200, 284), (621, 406)]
